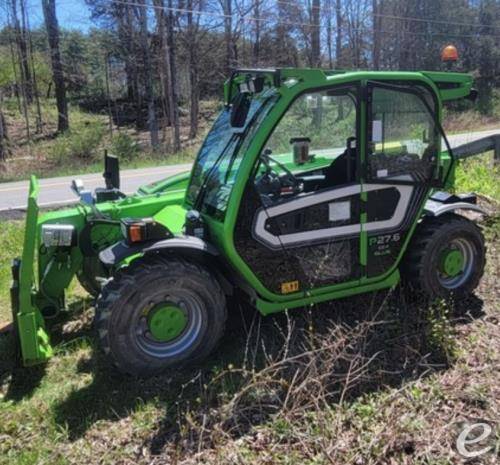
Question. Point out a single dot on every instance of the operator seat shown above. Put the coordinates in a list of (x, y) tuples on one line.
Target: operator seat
[(343, 169)]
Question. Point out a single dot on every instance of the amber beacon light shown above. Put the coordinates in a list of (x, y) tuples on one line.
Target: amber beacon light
[(449, 54)]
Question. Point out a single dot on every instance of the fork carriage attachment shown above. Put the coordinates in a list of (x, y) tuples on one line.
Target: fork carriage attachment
[(29, 323)]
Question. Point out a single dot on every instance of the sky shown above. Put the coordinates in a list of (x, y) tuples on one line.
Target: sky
[(71, 14)]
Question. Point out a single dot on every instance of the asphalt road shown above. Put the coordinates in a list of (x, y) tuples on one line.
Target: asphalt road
[(56, 191)]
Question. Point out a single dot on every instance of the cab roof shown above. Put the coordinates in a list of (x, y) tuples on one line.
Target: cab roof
[(449, 85)]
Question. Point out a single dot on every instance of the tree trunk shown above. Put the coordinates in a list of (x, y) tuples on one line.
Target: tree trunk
[(315, 35), (377, 23), (256, 44), (36, 95), (148, 75), (172, 78), (108, 93), (20, 31), (126, 31), (4, 139), (227, 9), (194, 93), (338, 50), (329, 35), (49, 12), (14, 69), (165, 20), (338, 39), (164, 84)]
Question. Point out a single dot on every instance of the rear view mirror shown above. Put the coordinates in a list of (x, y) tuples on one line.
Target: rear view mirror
[(239, 111), (300, 149), (111, 171)]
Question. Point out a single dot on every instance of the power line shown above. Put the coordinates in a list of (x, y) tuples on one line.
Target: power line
[(240, 18), (404, 18), (243, 18)]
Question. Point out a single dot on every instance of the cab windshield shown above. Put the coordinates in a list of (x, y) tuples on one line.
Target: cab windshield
[(220, 156)]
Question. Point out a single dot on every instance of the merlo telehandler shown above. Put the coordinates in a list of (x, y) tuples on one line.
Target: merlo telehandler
[(312, 185)]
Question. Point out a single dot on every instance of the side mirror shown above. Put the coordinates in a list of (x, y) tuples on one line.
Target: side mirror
[(111, 171), (240, 109), (300, 149)]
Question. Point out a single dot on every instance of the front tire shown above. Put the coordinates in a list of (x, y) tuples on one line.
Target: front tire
[(90, 275), (159, 312), (446, 257)]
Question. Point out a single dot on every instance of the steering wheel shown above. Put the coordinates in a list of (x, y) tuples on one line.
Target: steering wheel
[(289, 184)]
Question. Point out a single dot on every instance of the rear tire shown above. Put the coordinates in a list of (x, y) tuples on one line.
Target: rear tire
[(159, 312), (445, 257)]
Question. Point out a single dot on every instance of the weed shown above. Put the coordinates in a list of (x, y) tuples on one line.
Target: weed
[(440, 329), (124, 146)]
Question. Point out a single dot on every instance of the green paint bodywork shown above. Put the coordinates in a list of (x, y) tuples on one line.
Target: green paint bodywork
[(167, 203)]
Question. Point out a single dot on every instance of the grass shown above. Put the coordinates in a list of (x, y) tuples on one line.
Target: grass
[(479, 174), (369, 380)]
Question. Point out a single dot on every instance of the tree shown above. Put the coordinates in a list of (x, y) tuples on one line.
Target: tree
[(165, 22), (338, 40), (256, 42), (377, 9), (148, 75), (4, 138), (22, 47), (52, 26), (193, 45), (315, 34)]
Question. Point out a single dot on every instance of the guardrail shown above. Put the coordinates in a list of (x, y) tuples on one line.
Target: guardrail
[(485, 144)]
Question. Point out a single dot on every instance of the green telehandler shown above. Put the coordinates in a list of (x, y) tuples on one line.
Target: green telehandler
[(311, 186)]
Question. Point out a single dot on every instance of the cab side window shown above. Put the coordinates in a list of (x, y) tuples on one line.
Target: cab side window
[(313, 147), (324, 118), (403, 136)]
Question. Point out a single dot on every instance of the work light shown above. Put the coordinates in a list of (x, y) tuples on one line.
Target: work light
[(143, 229)]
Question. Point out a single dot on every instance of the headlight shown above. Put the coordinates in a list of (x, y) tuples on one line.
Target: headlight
[(58, 235)]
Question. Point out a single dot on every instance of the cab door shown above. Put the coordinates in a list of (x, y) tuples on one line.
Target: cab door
[(403, 144), (310, 237)]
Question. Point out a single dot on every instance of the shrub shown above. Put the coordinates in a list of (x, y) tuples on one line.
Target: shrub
[(124, 146), (84, 142), (81, 143)]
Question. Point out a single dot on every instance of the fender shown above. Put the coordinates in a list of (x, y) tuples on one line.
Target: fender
[(443, 202), (187, 245)]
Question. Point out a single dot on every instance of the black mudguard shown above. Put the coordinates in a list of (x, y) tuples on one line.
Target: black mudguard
[(444, 202), (186, 244)]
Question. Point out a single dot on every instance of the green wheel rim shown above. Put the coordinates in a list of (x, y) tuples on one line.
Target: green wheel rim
[(452, 262), (166, 322), (456, 263)]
